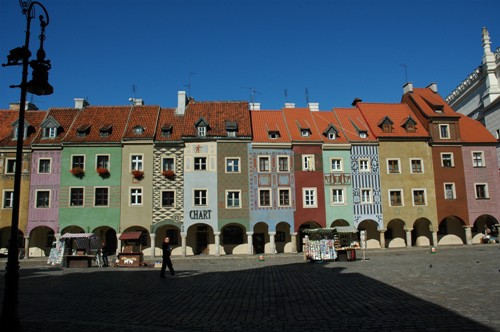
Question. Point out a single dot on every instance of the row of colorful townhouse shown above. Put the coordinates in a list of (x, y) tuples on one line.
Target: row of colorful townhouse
[(229, 178)]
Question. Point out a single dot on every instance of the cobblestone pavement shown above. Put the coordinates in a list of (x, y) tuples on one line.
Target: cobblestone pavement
[(454, 289)]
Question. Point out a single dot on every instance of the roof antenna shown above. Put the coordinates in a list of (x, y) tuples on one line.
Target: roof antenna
[(286, 96), (252, 93), (406, 71), (132, 100), (307, 96), (189, 82)]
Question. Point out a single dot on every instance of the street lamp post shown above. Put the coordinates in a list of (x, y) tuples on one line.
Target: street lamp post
[(38, 85)]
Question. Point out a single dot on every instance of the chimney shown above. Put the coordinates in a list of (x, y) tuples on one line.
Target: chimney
[(289, 105), (181, 103), (254, 106), (433, 87), (80, 103), (408, 87), (27, 106), (314, 107), (356, 101)]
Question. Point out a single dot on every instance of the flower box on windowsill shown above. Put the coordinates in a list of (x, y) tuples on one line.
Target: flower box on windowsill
[(78, 172), (168, 173), (138, 175), (103, 172)]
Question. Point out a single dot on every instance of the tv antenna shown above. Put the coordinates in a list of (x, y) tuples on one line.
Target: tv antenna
[(189, 83), (286, 96), (406, 71), (132, 100), (252, 93), (307, 96)]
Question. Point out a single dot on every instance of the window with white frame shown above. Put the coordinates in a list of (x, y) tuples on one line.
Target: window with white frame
[(8, 199), (416, 166), (42, 199), (200, 163), (444, 131), (478, 159), (364, 165), (337, 196), (396, 197), (49, 132), (233, 198), (135, 196), (481, 191), (419, 197), (136, 162), (447, 160), (168, 198), (332, 135), (305, 132), (310, 197), (101, 196), (308, 162), (202, 131), (232, 165), (336, 165), (449, 191), (264, 197), (393, 166), (102, 161), (284, 199), (264, 164), (366, 196), (76, 197), (78, 161), (10, 166), (200, 197), (43, 166), (168, 164), (283, 164)]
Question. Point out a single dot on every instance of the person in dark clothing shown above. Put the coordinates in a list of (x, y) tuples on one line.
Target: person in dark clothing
[(167, 250), (104, 252)]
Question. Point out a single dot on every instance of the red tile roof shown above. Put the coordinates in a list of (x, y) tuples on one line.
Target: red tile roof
[(31, 118), (472, 131), (301, 118), (142, 116), (65, 117), (265, 121), (7, 117), (326, 119), (429, 102), (168, 120), (351, 121)]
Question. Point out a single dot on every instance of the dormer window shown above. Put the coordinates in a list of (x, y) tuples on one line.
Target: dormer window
[(83, 130), (305, 132), (166, 130), (331, 132), (105, 130), (409, 125), (15, 129), (50, 132), (363, 134), (49, 127), (202, 131), (231, 128), (387, 128), (138, 130), (332, 136), (274, 134), (386, 125), (201, 127)]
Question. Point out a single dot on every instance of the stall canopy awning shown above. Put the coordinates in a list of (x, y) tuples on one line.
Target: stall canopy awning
[(131, 236), (77, 235), (336, 229), (346, 229)]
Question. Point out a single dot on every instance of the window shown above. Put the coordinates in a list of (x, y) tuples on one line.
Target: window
[(337, 196), (231, 133), (447, 160), (416, 166), (168, 164), (8, 199), (363, 134), (264, 197), (43, 199), (232, 165), (419, 197), (50, 132), (304, 132), (101, 197), (200, 163), (393, 166), (76, 197), (78, 161), (336, 165), (366, 196), (138, 130), (482, 191), (200, 197), (274, 134), (308, 162), (310, 200), (168, 198), (364, 165), (233, 199), (444, 131), (449, 191), (332, 135), (477, 159), (283, 164), (25, 133), (410, 128), (43, 166), (284, 199), (102, 161), (202, 131), (387, 128), (135, 196), (11, 166), (264, 164), (395, 198), (136, 162)]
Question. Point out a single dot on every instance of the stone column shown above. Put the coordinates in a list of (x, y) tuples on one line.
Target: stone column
[(153, 245), (250, 243), (272, 242), (382, 238), (468, 234), (183, 240), (217, 243), (27, 247), (294, 241), (434, 238), (408, 237), (119, 242)]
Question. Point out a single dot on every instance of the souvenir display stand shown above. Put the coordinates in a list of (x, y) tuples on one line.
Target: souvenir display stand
[(322, 244), (77, 249), (131, 253)]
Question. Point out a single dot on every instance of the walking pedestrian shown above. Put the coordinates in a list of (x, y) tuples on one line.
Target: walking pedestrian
[(167, 250), (104, 253)]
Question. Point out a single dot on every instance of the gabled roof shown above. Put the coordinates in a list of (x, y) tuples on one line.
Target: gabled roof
[(298, 119), (327, 121), (142, 116), (399, 113), (168, 120), (430, 103), (33, 119), (265, 122), (472, 131), (352, 122), (216, 113), (92, 118), (64, 117), (7, 117)]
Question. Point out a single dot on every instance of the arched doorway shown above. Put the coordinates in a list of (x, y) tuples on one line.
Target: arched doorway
[(260, 237), (482, 223), (395, 236), (233, 239), (40, 241), (200, 237), (372, 233), (422, 232), (283, 238), (306, 225), (451, 231), (339, 222)]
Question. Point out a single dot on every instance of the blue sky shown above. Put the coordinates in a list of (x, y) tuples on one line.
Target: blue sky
[(108, 51)]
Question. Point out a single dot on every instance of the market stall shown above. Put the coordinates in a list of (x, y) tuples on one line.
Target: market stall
[(131, 249), (322, 244), (77, 249)]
